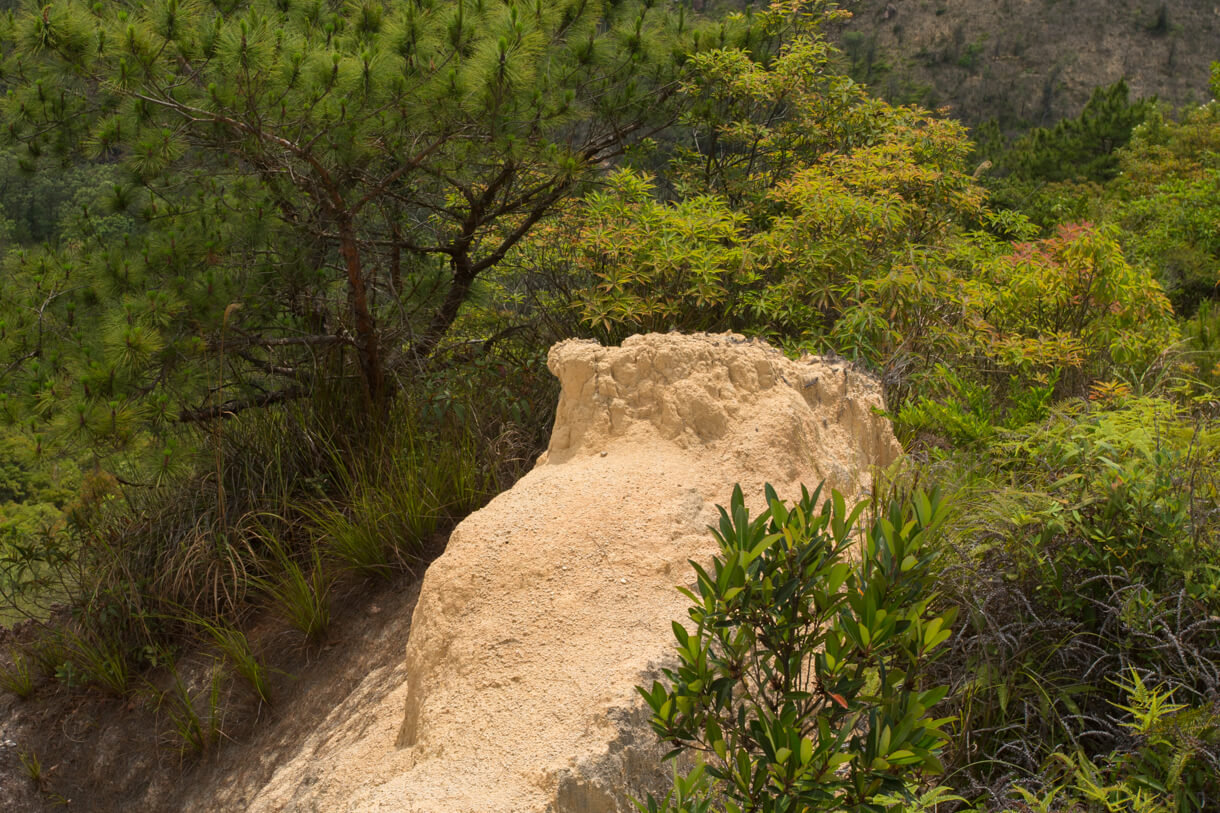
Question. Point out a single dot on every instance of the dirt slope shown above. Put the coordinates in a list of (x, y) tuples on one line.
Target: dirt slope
[(101, 754), (1032, 62)]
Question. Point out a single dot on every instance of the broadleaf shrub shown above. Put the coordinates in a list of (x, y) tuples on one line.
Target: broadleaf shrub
[(801, 683)]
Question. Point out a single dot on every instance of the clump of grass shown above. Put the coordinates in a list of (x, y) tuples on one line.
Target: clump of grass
[(300, 592), (235, 646), (194, 732), (48, 651), (351, 535), (414, 485), (33, 766), (18, 677), (78, 656), (98, 660), (425, 491), (195, 542)]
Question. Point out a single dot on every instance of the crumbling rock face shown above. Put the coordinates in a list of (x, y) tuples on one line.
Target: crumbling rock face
[(554, 601)]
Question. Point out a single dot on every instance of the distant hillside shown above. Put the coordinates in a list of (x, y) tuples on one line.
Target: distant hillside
[(1030, 62)]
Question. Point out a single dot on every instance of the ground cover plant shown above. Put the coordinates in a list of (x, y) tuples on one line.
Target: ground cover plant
[(1085, 562)]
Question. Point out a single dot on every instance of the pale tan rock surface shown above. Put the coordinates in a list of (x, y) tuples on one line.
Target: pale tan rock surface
[(550, 604)]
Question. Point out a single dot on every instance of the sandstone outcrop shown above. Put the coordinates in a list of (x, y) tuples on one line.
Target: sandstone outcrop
[(554, 601)]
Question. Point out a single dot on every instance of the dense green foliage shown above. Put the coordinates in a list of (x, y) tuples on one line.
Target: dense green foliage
[(1167, 203), (1158, 188), (850, 225), (282, 207), (289, 206), (1084, 551), (1082, 148), (312, 185), (802, 681), (280, 277)]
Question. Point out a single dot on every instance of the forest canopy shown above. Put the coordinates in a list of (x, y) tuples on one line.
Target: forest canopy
[(304, 182)]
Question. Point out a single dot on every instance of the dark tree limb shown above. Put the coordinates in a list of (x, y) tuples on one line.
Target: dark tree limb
[(286, 341), (230, 408)]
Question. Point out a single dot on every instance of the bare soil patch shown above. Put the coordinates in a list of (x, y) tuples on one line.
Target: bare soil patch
[(98, 752)]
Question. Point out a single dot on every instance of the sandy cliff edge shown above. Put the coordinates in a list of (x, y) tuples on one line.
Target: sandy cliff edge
[(553, 602)]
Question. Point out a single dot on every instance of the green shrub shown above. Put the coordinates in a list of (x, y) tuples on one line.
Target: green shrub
[(1084, 557), (1070, 306), (1168, 763), (801, 684), (1172, 229), (967, 412)]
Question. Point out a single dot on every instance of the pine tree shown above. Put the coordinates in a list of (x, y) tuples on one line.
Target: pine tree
[(310, 181), (1083, 147)]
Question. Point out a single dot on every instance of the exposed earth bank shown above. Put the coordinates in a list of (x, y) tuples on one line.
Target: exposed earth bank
[(550, 604)]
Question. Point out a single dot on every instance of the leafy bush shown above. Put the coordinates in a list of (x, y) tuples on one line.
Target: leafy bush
[(851, 226), (802, 683), (1025, 325), (813, 262), (791, 195), (1173, 229), (967, 412), (1069, 305)]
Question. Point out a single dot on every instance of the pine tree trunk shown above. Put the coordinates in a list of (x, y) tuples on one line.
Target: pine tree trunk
[(464, 273), (368, 346)]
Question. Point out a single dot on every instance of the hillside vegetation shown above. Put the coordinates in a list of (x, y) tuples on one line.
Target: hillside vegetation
[(280, 276), (1030, 63)]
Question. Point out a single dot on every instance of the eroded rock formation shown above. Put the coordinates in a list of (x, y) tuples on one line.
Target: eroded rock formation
[(554, 601)]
